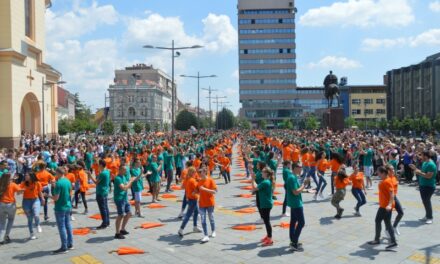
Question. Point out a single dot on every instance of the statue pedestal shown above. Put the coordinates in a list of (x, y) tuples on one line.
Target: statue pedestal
[(333, 118)]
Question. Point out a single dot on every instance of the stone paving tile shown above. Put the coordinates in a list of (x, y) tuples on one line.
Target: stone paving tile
[(325, 239)]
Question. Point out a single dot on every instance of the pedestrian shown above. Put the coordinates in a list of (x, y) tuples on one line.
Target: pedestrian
[(137, 186), (168, 163), (265, 193), (386, 203), (358, 188), (46, 179), (427, 181), (183, 175), (81, 185), (207, 190), (192, 196), (294, 201), (368, 166), (63, 206), (335, 164), (120, 196), (154, 172), (287, 165), (102, 182), (397, 205), (322, 165), (8, 188), (32, 199), (341, 181)]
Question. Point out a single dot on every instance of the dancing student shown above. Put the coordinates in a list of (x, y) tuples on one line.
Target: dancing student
[(322, 166), (358, 188), (335, 164), (137, 186), (183, 175), (312, 161), (258, 178), (265, 192), (397, 204), (32, 199), (207, 189), (102, 182), (154, 171), (341, 181), (169, 164), (192, 196), (286, 173), (386, 201), (305, 163), (8, 188), (81, 185)]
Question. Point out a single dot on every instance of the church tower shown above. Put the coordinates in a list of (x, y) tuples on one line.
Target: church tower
[(28, 94)]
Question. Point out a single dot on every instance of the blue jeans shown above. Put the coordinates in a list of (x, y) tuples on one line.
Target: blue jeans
[(426, 193), (169, 176), (297, 223), (103, 209), (31, 208), (246, 166), (210, 211), (312, 173), (304, 173), (64, 228), (192, 210), (322, 182), (360, 197), (227, 176), (184, 202), (46, 191)]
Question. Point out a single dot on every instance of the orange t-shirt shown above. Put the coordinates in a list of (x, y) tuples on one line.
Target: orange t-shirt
[(225, 162), (32, 191), (9, 194), (206, 199), (44, 177), (341, 184), (385, 188), (191, 186), (322, 165), (312, 160), (183, 177), (305, 159), (395, 183), (83, 181), (295, 155), (197, 163), (357, 180), (287, 152), (95, 168), (108, 163), (335, 165)]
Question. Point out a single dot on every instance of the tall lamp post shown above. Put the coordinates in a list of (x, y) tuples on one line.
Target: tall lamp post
[(174, 54), (210, 90), (198, 77), (43, 88)]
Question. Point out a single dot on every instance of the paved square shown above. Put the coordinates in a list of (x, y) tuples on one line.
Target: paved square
[(325, 239)]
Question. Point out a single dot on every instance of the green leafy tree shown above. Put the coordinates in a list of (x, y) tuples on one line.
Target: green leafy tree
[(243, 123), (64, 127), (156, 126), (137, 127), (225, 119), (311, 123), (425, 124), (108, 127), (166, 127), (383, 124), (147, 127), (396, 124), (124, 128), (262, 124), (371, 124), (350, 122), (287, 124), (436, 123), (407, 124), (185, 120)]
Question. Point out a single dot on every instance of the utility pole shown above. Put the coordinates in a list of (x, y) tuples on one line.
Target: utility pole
[(217, 103), (210, 111)]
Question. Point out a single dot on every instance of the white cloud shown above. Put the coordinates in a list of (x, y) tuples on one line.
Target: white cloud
[(428, 38), (330, 62), (435, 6), (231, 91), (235, 74), (219, 34), (362, 13)]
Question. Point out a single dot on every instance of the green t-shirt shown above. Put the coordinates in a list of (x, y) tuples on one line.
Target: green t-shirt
[(258, 177), (3, 172), (265, 194), (273, 164), (286, 174), (127, 173), (138, 185), (178, 160), (293, 201), (394, 164), (118, 193), (428, 166), (368, 158), (71, 159), (88, 160), (102, 188), (63, 187), (168, 161), (52, 165), (155, 177), (254, 163)]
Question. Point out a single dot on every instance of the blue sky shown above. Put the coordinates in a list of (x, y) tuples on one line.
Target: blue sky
[(361, 39)]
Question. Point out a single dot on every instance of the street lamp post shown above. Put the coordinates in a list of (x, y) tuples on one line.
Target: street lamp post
[(174, 54), (209, 97), (43, 87), (198, 77)]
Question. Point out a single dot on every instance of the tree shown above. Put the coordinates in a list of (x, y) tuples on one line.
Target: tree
[(147, 127), (425, 124), (395, 124), (137, 127), (350, 122), (312, 123), (166, 127), (108, 127), (156, 126), (436, 123), (371, 124), (225, 119), (185, 120), (383, 124), (243, 123), (64, 127), (407, 124), (262, 124), (124, 128), (287, 124)]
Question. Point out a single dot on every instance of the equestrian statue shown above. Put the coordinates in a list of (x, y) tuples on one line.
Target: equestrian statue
[(331, 89)]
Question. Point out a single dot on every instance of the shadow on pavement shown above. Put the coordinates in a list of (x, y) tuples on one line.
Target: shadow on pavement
[(330, 219), (274, 252), (368, 251), (96, 240), (241, 247), (33, 255), (176, 240), (170, 220), (412, 223)]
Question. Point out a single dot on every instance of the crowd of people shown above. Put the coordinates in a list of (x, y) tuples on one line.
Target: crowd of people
[(64, 170)]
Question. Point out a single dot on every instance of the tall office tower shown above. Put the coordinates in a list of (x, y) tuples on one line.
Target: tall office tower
[(267, 60)]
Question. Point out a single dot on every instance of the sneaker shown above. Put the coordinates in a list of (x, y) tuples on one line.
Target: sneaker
[(423, 219), (60, 251), (321, 195), (296, 247), (357, 213), (391, 246), (374, 243), (428, 221), (180, 216), (101, 227), (124, 232), (397, 231), (285, 215), (70, 247), (86, 211), (213, 234), (337, 216), (180, 232), (196, 229), (119, 236), (315, 197), (268, 242), (205, 239), (33, 237), (264, 239), (39, 229), (72, 218), (46, 218), (341, 211), (7, 240)]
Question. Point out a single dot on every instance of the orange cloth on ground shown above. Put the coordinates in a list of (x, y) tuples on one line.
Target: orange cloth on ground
[(81, 231), (129, 251), (96, 217), (155, 206), (249, 210), (245, 227), (149, 225)]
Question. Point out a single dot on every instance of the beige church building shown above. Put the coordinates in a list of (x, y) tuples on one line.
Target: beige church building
[(28, 94)]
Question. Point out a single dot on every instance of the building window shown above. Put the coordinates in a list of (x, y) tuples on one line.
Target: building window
[(267, 31), (268, 61), (267, 71), (267, 41), (267, 81), (356, 111), (380, 101), (380, 111), (368, 101), (368, 111), (29, 18), (355, 101)]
